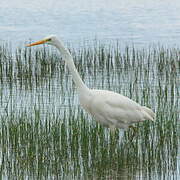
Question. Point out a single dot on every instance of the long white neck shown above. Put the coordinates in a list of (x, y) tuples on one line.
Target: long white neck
[(69, 61)]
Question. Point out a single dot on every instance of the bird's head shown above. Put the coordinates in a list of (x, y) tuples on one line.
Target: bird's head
[(54, 41), (51, 40)]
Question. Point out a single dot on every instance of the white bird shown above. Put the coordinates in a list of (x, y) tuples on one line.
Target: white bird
[(108, 108)]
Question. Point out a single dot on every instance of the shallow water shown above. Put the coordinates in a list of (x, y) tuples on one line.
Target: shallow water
[(45, 134)]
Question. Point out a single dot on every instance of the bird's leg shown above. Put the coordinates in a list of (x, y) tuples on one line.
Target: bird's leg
[(134, 132), (121, 134), (112, 136), (112, 130)]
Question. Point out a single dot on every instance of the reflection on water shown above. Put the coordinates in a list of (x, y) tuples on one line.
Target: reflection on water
[(45, 134), (43, 131)]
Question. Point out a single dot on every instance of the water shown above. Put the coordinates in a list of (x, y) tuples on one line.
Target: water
[(43, 131), (139, 22)]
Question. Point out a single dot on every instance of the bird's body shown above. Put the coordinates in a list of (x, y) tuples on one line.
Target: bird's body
[(108, 108), (113, 109)]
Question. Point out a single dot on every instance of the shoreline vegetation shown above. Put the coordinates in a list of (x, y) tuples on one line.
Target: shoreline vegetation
[(45, 134)]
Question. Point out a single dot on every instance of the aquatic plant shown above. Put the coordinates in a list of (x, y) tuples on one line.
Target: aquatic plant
[(45, 134)]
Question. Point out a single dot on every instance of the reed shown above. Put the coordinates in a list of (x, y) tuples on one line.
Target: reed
[(44, 133)]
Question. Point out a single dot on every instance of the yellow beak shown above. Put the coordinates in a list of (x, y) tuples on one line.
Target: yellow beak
[(36, 43)]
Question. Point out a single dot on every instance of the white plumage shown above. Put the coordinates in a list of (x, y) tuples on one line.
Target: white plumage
[(113, 109), (108, 108)]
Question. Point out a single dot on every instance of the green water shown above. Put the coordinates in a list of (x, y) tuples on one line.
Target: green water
[(44, 133)]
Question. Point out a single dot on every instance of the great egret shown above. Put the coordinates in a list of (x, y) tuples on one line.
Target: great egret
[(108, 108)]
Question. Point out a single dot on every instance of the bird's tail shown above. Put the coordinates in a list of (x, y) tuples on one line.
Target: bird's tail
[(149, 112)]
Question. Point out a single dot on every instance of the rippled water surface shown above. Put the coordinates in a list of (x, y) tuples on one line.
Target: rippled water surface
[(131, 47), (139, 22)]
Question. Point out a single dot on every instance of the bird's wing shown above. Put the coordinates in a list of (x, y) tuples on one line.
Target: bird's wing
[(119, 109)]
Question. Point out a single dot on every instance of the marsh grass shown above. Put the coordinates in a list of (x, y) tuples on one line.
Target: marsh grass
[(44, 133)]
